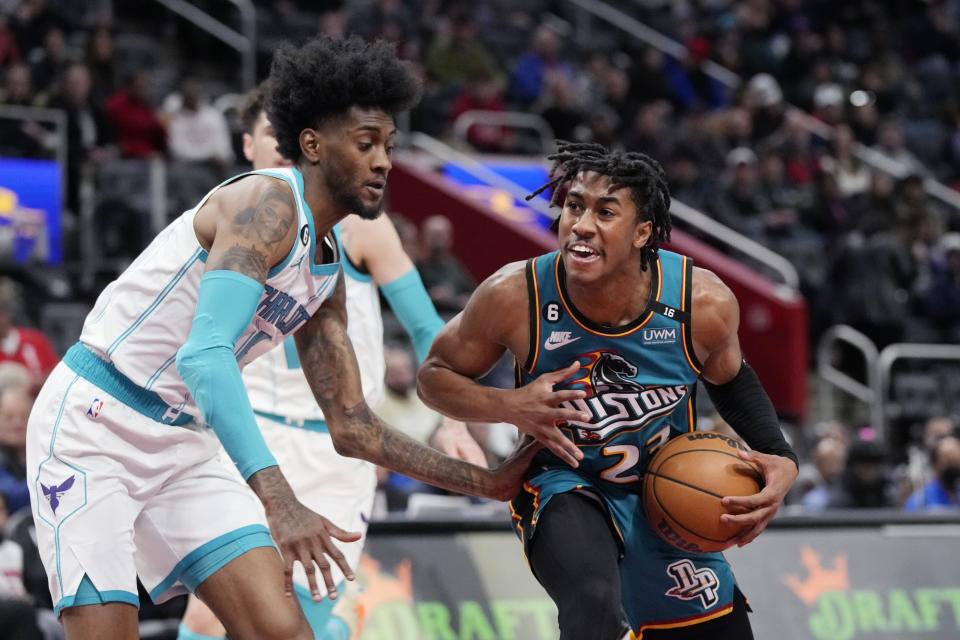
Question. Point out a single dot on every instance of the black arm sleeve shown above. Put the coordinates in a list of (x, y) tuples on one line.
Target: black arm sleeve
[(745, 406)]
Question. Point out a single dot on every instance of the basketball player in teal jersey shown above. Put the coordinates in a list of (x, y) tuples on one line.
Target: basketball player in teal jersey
[(288, 415), (124, 439), (616, 332)]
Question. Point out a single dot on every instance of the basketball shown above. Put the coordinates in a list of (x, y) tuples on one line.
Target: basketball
[(684, 484)]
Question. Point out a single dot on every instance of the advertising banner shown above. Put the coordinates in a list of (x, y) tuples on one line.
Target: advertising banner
[(862, 583), (30, 211)]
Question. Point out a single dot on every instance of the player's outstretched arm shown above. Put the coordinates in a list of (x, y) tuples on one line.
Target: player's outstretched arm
[(248, 227), (330, 366), (496, 319), (739, 398), (377, 245)]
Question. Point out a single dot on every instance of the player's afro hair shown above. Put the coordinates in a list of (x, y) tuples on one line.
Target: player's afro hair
[(325, 77), (639, 172)]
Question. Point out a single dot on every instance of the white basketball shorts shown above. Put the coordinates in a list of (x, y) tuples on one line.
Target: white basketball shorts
[(116, 494)]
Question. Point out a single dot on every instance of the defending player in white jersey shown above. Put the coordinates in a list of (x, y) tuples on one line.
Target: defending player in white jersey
[(287, 413), (123, 436)]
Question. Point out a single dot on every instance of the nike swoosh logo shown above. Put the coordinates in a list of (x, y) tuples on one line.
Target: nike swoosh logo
[(550, 346)]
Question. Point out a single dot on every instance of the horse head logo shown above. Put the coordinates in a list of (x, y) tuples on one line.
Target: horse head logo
[(613, 373)]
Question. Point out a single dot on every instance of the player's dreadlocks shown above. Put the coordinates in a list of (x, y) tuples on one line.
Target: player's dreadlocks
[(640, 173)]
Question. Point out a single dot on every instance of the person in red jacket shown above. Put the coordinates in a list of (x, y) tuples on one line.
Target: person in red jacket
[(27, 347), (139, 131)]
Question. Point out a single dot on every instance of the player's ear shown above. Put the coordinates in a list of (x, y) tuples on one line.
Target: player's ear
[(641, 234), (310, 145), (248, 147)]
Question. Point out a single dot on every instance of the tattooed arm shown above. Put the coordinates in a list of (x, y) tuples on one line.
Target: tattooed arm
[(248, 227), (330, 365)]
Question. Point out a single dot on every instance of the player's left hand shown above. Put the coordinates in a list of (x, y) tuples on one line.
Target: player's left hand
[(507, 479), (453, 438), (755, 512)]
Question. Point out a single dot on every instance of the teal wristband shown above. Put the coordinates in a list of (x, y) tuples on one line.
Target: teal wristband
[(409, 300), (206, 362)]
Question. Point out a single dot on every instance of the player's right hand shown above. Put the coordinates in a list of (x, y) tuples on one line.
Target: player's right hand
[(535, 410), (306, 537)]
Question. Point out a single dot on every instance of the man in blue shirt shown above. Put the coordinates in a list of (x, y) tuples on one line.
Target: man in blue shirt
[(943, 492)]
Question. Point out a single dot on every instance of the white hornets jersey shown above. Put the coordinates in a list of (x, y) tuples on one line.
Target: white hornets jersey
[(275, 382), (143, 317)]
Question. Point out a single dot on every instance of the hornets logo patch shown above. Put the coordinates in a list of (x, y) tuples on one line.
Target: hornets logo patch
[(615, 400)]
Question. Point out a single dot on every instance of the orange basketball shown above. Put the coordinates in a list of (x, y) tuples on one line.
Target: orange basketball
[(683, 486)]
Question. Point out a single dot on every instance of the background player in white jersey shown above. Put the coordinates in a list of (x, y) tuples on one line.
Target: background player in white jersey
[(287, 413), (124, 433)]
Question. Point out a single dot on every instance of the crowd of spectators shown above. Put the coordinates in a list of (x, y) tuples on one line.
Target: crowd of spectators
[(874, 250)]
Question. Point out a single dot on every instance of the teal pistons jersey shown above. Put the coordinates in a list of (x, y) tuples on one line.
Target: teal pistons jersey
[(640, 378)]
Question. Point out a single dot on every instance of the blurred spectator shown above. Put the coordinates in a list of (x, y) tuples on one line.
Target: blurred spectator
[(647, 81), (731, 128), (49, 63), (785, 199), (14, 374), (865, 482), (603, 125), (950, 153), (527, 80), (828, 103), (941, 300), (561, 108), (333, 23), (197, 132), (890, 143), (9, 50), (87, 128), (486, 94), (943, 491), (650, 133), (370, 19), (20, 138), (864, 118), (878, 212), (444, 276), (805, 47), (409, 236), (457, 57), (689, 182), (851, 174), (27, 347), (617, 94), (914, 207), (15, 405), (32, 20), (869, 283), (917, 470), (17, 614), (741, 204), (100, 62), (764, 99), (139, 131), (18, 86), (402, 408), (692, 88), (829, 460), (793, 143)]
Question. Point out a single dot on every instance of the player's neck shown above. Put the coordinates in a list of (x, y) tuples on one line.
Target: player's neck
[(326, 212), (618, 299)]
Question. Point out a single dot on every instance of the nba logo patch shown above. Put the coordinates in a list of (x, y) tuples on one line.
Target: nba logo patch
[(94, 411)]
